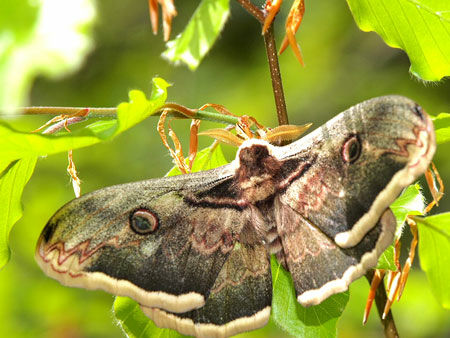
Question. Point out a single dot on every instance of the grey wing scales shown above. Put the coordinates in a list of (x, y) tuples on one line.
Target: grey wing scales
[(89, 242), (319, 267), (239, 300)]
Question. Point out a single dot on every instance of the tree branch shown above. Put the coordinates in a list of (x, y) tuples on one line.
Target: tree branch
[(252, 9), (275, 74), (176, 110), (272, 57), (65, 110), (390, 330)]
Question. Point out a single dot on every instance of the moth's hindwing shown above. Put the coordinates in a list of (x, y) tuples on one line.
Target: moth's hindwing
[(193, 250), (309, 252), (240, 299)]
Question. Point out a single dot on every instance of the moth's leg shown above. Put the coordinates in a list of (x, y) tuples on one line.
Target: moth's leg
[(430, 175), (272, 8), (224, 135), (377, 278), (243, 127), (193, 142), (293, 22)]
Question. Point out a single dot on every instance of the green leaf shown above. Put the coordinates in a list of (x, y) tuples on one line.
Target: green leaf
[(442, 127), (12, 183), (18, 148), (135, 324), (289, 315), (206, 159), (419, 27), (139, 108), (410, 202), (15, 144), (40, 37), (434, 252), (200, 33), (386, 260)]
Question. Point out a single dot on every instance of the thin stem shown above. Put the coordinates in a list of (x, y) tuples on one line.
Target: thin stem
[(65, 110), (275, 74), (252, 9), (272, 57), (112, 112), (390, 330)]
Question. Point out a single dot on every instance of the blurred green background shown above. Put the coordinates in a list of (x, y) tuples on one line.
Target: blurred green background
[(343, 66)]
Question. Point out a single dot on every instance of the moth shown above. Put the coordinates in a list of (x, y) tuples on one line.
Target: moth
[(194, 249)]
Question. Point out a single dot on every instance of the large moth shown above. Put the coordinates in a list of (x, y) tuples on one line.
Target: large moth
[(194, 250)]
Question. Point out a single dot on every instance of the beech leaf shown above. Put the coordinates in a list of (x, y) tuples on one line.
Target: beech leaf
[(442, 127), (434, 252), (421, 28), (12, 182), (201, 32), (289, 315)]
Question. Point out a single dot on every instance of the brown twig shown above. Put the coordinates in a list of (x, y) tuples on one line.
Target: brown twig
[(277, 84), (390, 330), (272, 57), (253, 10)]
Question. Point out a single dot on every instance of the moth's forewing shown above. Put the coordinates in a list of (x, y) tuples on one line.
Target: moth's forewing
[(89, 242), (342, 196)]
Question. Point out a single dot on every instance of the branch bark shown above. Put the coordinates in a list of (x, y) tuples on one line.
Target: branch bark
[(275, 74), (272, 57), (253, 10)]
